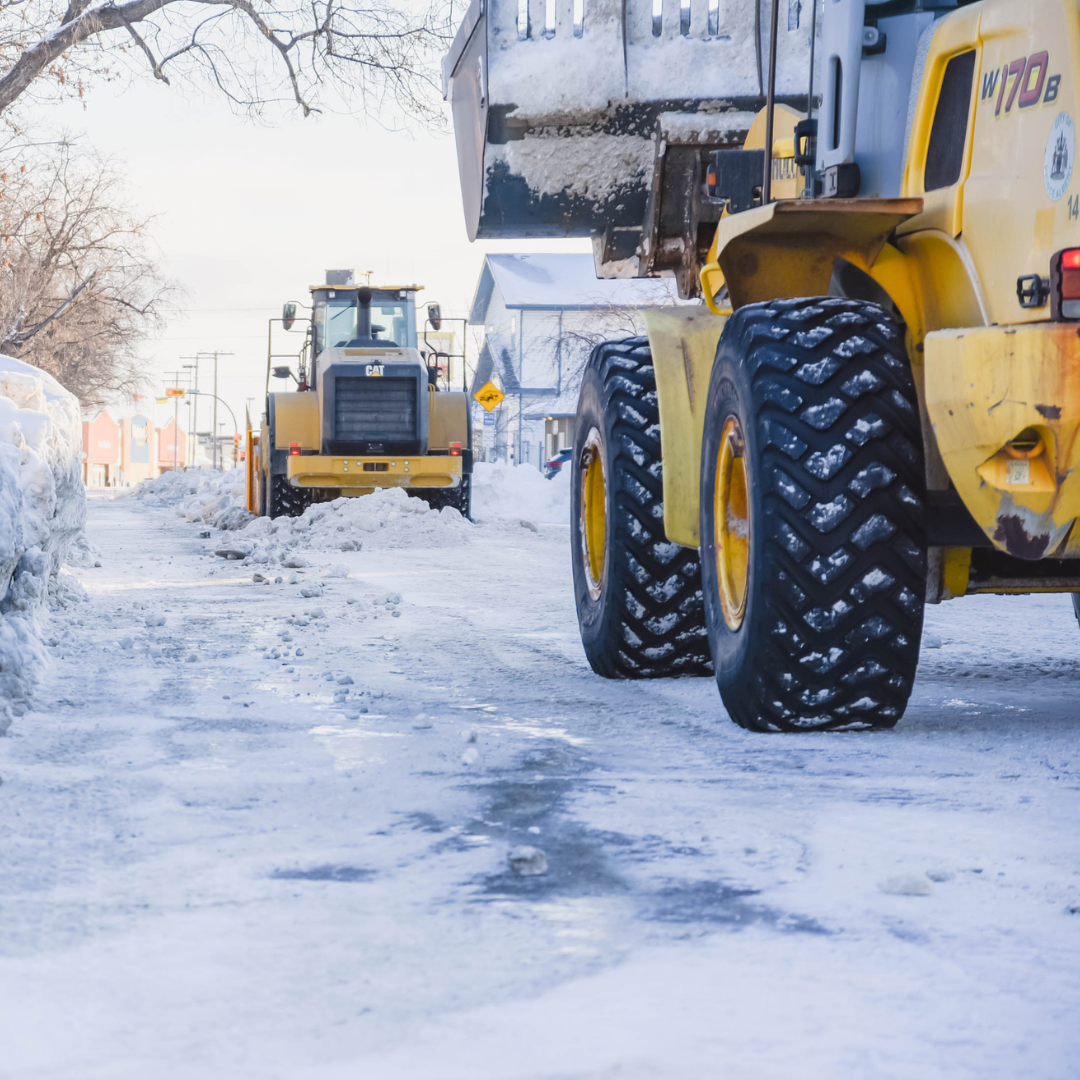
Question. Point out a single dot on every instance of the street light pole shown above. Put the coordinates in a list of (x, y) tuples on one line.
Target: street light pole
[(176, 420)]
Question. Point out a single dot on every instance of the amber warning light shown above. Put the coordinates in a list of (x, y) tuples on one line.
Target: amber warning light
[(1065, 285)]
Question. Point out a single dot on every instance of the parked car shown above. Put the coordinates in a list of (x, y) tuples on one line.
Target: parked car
[(553, 467)]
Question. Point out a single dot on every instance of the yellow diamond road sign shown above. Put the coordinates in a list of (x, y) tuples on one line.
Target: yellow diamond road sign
[(489, 395)]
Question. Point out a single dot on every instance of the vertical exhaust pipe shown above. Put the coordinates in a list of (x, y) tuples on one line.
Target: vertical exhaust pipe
[(363, 312)]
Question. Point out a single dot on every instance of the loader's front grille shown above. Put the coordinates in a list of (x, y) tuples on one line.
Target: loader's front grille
[(375, 409)]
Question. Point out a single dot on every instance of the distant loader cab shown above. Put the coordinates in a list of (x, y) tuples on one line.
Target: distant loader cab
[(367, 412)]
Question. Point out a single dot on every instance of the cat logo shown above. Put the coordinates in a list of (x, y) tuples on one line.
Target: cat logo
[(373, 369)]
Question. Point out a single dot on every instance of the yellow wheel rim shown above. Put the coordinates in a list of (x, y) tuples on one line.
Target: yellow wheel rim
[(731, 524), (593, 525)]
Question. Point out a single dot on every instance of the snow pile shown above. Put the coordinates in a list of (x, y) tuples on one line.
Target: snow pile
[(385, 520), (42, 511), (520, 492), (382, 521), (208, 495)]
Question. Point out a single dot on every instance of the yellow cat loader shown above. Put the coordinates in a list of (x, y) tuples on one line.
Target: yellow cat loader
[(878, 404), (367, 411)]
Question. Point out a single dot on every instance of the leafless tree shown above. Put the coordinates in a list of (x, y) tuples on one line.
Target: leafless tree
[(570, 347), (79, 289), (253, 51)]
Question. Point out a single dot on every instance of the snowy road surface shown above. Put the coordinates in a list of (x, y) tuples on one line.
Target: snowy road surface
[(218, 862)]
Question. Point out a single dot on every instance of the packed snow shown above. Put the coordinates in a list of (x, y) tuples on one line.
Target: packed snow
[(42, 511), (380, 820)]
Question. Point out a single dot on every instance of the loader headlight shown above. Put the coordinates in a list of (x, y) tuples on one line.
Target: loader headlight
[(1065, 284)]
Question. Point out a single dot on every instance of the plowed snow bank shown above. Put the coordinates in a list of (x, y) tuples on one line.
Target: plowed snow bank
[(42, 510), (520, 492)]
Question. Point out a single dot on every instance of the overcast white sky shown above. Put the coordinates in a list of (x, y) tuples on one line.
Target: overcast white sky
[(249, 216)]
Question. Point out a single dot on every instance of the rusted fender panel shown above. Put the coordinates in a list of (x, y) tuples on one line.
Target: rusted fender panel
[(987, 387)]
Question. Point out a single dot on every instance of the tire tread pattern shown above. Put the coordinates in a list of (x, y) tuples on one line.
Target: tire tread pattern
[(459, 498), (655, 584), (286, 500), (844, 569)]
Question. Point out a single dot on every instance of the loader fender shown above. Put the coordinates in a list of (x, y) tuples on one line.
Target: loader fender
[(789, 247), (295, 420), (448, 422), (683, 343)]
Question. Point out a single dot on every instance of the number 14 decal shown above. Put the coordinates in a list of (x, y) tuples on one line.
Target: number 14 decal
[(1074, 207)]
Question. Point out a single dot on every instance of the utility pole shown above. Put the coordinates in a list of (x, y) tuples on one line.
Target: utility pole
[(216, 354), (195, 406), (215, 395)]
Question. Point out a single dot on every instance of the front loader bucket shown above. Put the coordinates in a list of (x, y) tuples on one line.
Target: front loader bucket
[(563, 108)]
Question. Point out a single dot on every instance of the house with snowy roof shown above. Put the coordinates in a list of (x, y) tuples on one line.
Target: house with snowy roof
[(542, 315)]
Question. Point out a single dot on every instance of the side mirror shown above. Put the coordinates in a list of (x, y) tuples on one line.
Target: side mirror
[(288, 316), (434, 316), (282, 373)]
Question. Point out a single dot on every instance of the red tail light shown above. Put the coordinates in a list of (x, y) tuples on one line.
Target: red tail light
[(455, 449), (1065, 284), (294, 449)]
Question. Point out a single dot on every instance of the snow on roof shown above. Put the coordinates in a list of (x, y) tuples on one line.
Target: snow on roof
[(560, 282)]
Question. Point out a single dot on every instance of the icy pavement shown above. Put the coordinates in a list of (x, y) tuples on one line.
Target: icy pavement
[(399, 830)]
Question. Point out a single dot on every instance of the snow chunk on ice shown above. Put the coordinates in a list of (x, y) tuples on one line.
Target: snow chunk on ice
[(528, 860), (906, 885)]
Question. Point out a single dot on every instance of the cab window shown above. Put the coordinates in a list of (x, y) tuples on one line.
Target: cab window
[(948, 136)]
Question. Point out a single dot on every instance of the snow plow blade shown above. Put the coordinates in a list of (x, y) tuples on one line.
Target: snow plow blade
[(362, 475)]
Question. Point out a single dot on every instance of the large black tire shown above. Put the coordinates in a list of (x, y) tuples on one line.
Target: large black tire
[(642, 617), (459, 498), (832, 447), (286, 500)]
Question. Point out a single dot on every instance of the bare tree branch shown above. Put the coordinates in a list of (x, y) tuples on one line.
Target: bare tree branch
[(79, 292), (16, 336), (154, 65), (367, 53)]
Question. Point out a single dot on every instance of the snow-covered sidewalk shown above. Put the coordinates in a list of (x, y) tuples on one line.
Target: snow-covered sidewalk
[(255, 834)]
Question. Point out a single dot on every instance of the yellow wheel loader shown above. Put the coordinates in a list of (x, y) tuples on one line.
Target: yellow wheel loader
[(878, 404), (367, 412)]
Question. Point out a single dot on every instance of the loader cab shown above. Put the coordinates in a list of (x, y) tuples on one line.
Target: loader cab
[(359, 317)]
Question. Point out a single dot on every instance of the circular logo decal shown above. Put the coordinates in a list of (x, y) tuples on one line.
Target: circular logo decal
[(1058, 162)]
